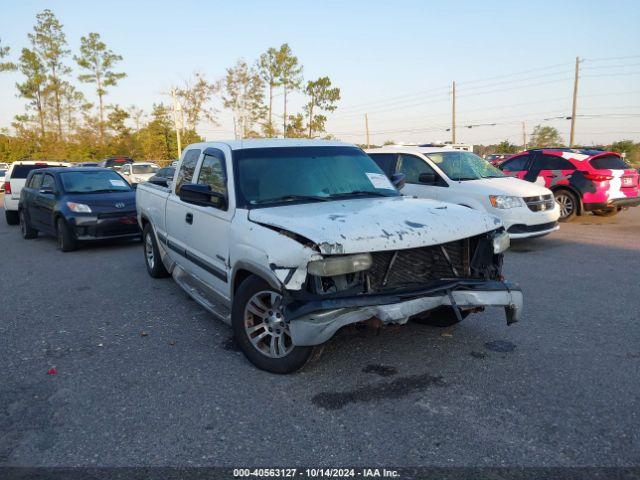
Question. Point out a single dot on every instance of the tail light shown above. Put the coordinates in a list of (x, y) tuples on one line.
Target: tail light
[(597, 177), (7, 187)]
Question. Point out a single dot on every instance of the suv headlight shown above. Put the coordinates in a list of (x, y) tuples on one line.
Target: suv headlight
[(501, 242), (332, 266), (79, 207), (505, 201)]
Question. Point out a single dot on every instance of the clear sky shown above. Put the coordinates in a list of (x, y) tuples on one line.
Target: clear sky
[(512, 61)]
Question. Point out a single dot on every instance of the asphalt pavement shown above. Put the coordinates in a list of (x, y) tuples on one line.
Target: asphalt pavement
[(145, 377)]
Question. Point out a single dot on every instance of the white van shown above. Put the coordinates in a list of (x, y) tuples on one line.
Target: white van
[(442, 173)]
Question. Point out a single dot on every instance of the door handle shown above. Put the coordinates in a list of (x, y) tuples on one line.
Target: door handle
[(189, 218)]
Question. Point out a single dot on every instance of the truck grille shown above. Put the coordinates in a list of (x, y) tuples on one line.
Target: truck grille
[(540, 203)]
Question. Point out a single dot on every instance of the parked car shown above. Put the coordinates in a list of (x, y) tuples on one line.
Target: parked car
[(582, 180), (496, 159), (4, 166), (14, 180), (115, 163), (3, 172), (164, 176), (463, 178), (77, 205), (86, 164), (138, 172), (290, 240)]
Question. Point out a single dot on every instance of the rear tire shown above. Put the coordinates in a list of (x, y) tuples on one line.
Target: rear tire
[(609, 212), (11, 216), (441, 317), (568, 204), (152, 258), (261, 330), (66, 241), (28, 232)]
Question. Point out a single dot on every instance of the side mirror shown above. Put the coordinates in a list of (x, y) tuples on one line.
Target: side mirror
[(163, 182), (47, 190), (427, 178), (398, 180), (202, 195)]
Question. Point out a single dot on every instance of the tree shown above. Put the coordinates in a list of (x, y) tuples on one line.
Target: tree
[(6, 66), (49, 42), (195, 98), (545, 136), (507, 147), (136, 114), (244, 96), (296, 127), (99, 62), (290, 75), (321, 97), (270, 68), (33, 88), (630, 150)]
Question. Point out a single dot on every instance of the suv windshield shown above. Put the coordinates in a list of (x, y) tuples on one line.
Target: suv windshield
[(290, 174), (461, 166), (93, 182), (144, 168)]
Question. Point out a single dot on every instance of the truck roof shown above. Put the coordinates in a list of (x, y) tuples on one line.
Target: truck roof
[(271, 143)]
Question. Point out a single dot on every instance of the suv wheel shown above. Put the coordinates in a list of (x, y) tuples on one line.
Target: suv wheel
[(261, 330), (568, 204), (11, 216), (28, 232), (152, 259), (66, 242)]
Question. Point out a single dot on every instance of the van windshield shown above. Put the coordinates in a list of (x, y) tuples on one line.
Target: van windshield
[(461, 166), (306, 174)]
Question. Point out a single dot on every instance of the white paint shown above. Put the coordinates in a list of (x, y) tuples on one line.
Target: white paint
[(615, 185), (575, 156)]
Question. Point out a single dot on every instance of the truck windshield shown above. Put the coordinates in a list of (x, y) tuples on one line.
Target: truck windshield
[(93, 182), (460, 166), (306, 174)]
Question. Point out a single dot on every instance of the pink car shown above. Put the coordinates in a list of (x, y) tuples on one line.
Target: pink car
[(581, 180)]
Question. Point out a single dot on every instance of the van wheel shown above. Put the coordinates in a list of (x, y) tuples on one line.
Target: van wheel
[(261, 330), (568, 204), (11, 216), (440, 317), (152, 258), (608, 212), (28, 232), (66, 242)]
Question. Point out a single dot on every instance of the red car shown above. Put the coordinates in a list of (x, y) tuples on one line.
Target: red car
[(582, 180), (496, 159)]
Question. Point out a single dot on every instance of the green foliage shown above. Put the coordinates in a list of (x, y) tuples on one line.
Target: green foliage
[(545, 136), (630, 149), (507, 147), (195, 98), (6, 66), (290, 75), (321, 97)]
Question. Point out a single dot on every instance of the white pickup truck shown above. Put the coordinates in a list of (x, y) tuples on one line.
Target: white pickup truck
[(290, 240)]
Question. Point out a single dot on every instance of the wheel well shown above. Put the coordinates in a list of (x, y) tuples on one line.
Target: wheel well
[(241, 276), (571, 190), (144, 221)]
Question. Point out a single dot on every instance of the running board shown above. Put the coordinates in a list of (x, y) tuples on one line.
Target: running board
[(202, 294)]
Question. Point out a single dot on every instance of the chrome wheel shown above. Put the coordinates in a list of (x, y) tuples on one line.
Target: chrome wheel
[(565, 202), (265, 325), (148, 251)]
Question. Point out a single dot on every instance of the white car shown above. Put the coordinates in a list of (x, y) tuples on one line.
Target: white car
[(442, 173), (290, 240), (14, 180), (4, 166), (139, 172), (3, 172)]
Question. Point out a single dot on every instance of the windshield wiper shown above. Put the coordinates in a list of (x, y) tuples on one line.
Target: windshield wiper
[(359, 193), (292, 198)]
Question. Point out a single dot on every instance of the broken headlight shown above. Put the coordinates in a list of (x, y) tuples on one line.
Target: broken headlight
[(332, 266), (501, 242)]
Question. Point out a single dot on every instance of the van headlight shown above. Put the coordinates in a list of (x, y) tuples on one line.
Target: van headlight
[(332, 266), (505, 201), (501, 242)]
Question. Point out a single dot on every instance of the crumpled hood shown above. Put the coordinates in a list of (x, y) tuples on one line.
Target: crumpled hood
[(376, 224)]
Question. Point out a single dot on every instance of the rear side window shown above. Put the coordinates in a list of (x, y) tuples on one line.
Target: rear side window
[(609, 162), (553, 162), (515, 165), (386, 161), (187, 169), (22, 171)]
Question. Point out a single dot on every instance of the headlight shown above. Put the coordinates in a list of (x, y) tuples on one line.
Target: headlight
[(505, 201), (333, 266), (79, 207), (138, 179), (501, 242)]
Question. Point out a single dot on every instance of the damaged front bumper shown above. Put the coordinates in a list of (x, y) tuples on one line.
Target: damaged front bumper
[(314, 321)]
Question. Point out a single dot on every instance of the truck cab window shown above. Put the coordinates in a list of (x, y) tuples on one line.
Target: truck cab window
[(187, 168), (212, 173)]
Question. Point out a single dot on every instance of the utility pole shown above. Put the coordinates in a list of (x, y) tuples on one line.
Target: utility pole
[(524, 136), (453, 115), (575, 101), (366, 126), (177, 119)]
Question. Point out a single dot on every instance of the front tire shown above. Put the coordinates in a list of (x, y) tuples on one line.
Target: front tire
[(568, 204), (28, 232), (11, 216), (152, 258), (261, 330), (66, 241)]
